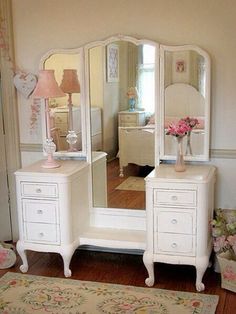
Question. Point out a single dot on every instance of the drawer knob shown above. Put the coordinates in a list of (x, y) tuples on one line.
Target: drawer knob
[(174, 245), (38, 190), (174, 198), (174, 221), (40, 211), (41, 234)]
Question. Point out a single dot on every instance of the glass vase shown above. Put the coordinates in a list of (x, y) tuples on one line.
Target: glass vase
[(71, 139), (179, 164), (188, 146)]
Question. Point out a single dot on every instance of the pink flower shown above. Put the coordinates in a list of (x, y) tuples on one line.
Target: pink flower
[(220, 243), (179, 129), (192, 122), (3, 255)]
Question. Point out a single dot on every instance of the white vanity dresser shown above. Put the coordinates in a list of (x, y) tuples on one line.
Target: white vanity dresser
[(179, 208), (67, 207), (52, 209)]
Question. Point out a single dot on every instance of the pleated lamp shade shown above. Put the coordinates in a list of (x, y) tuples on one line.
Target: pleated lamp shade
[(47, 86), (70, 83)]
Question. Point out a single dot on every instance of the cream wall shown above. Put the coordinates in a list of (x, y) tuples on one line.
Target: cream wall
[(42, 25)]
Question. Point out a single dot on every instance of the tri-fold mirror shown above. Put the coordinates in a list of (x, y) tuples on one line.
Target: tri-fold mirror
[(130, 91)]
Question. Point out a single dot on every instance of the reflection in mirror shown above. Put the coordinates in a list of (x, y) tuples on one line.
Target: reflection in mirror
[(122, 103), (185, 94), (65, 112)]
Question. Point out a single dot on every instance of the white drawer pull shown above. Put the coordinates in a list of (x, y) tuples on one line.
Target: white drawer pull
[(41, 234), (38, 190), (174, 221), (174, 198), (39, 211), (174, 245)]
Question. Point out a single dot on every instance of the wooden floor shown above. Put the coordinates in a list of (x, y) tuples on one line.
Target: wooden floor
[(127, 269), (122, 198)]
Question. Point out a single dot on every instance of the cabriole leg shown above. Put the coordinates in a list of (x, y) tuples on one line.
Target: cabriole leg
[(66, 256), (148, 262), (21, 251), (201, 266)]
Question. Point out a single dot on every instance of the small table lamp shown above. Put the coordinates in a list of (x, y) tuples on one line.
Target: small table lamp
[(132, 94), (70, 84), (46, 88)]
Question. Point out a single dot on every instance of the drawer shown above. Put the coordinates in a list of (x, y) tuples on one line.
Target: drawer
[(172, 243), (42, 233), (40, 211), (128, 118), (128, 124), (31, 189), (175, 197), (175, 222)]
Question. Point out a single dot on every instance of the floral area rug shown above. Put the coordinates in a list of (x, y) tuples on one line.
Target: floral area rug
[(132, 184), (26, 294)]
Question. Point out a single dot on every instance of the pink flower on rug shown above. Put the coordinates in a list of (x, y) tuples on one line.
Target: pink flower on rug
[(196, 303), (126, 306)]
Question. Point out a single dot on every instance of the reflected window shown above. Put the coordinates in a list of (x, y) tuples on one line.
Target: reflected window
[(146, 77)]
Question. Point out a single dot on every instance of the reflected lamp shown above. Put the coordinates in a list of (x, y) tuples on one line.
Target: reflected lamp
[(70, 84), (46, 88)]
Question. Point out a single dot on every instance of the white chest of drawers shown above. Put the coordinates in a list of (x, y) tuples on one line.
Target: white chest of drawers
[(52, 209), (179, 207), (131, 118)]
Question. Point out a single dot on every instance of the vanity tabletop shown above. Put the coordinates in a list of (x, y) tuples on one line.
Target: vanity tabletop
[(66, 169), (193, 173)]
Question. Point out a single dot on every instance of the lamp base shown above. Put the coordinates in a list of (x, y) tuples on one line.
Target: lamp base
[(50, 163), (72, 149)]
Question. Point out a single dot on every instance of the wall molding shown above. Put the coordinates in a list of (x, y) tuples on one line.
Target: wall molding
[(214, 153), (223, 153), (25, 147)]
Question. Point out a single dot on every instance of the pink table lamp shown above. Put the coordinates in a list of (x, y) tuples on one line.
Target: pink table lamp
[(46, 88)]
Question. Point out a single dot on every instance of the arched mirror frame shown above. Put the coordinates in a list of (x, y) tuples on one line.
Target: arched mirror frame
[(87, 83), (204, 54), (80, 51), (104, 43)]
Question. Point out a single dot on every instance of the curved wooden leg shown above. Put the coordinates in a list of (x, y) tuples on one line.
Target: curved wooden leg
[(148, 262), (21, 251), (201, 266)]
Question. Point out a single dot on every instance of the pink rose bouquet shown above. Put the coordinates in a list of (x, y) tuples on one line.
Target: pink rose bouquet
[(179, 129)]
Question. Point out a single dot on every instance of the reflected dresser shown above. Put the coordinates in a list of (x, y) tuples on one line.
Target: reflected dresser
[(179, 206), (128, 118), (52, 209)]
